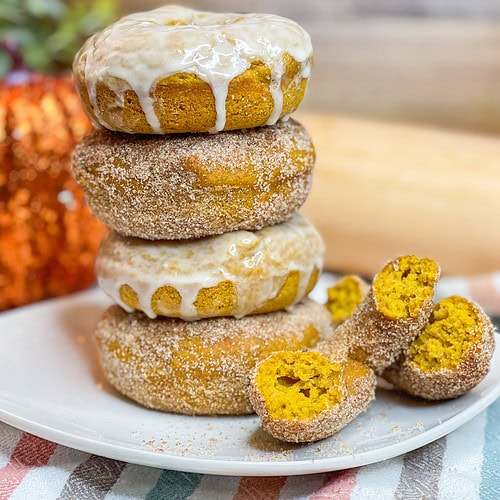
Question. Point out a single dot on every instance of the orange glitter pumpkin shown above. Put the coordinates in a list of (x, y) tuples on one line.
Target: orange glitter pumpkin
[(48, 236)]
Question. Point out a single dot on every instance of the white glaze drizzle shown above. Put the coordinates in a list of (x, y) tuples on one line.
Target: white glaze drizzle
[(191, 265), (142, 48)]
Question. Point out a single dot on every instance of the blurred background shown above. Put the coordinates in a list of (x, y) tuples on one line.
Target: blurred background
[(425, 61)]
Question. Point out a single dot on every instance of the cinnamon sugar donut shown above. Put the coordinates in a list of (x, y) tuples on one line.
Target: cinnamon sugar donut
[(232, 274), (174, 69), (305, 396), (451, 355), (201, 367), (189, 186)]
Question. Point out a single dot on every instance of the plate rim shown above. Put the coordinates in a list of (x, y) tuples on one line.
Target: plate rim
[(233, 467)]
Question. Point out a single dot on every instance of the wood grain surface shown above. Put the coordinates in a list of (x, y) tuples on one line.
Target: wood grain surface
[(383, 189)]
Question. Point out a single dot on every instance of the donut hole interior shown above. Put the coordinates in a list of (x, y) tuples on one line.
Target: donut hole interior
[(404, 285), (452, 330), (298, 385), (344, 297)]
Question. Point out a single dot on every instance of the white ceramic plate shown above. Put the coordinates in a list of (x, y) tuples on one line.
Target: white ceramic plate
[(51, 385)]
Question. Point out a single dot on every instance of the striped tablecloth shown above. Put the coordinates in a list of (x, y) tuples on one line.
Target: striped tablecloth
[(465, 464)]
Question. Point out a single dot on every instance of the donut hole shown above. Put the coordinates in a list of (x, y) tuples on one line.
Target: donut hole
[(404, 285), (452, 330), (344, 297)]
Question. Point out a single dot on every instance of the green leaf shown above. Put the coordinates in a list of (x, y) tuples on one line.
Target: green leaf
[(37, 57), (49, 32), (5, 64), (10, 14), (45, 8)]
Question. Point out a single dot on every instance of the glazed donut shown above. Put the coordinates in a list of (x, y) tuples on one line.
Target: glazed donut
[(189, 186), (393, 313), (305, 396), (450, 356), (174, 70), (201, 367), (232, 274)]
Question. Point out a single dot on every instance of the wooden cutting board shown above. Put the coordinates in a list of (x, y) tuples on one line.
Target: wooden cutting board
[(384, 189)]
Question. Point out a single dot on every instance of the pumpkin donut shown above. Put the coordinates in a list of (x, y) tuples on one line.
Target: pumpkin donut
[(232, 274), (174, 69), (195, 185), (451, 355), (199, 367)]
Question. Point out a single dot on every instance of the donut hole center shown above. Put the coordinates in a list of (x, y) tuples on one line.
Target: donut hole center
[(305, 391), (287, 381)]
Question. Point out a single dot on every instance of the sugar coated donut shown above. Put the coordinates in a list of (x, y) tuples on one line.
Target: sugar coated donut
[(232, 274), (189, 186), (305, 396), (174, 69), (393, 313), (200, 367), (451, 355)]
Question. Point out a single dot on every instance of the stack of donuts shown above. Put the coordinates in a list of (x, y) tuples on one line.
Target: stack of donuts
[(199, 172)]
